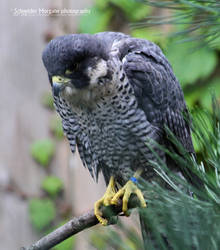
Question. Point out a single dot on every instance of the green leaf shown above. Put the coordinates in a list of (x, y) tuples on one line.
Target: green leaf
[(96, 21), (190, 66), (52, 185), (42, 212), (42, 151), (68, 244), (56, 127)]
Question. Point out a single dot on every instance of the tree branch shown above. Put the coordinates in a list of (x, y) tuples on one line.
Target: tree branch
[(78, 224), (74, 226)]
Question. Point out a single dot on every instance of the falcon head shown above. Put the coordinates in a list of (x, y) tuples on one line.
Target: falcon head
[(76, 63)]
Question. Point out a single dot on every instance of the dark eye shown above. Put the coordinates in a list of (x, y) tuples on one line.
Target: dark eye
[(72, 68)]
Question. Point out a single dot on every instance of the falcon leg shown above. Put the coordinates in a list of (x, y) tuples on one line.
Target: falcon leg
[(126, 191), (105, 200)]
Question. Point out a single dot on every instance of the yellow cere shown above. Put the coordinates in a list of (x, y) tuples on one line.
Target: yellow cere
[(60, 79)]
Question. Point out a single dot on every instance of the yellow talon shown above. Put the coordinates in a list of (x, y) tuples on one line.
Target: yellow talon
[(105, 200), (126, 191), (112, 198)]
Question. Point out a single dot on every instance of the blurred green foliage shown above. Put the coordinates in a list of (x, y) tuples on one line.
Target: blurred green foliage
[(110, 238), (104, 11), (42, 151), (42, 212), (52, 185), (191, 65), (192, 20), (47, 100), (56, 127), (151, 35), (213, 88), (132, 10), (96, 21)]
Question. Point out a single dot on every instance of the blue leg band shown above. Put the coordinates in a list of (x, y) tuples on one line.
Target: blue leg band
[(134, 180)]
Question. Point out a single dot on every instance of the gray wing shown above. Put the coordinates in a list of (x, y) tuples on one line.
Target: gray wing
[(156, 88)]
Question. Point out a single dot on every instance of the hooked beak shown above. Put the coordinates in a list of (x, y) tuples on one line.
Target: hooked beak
[(58, 83)]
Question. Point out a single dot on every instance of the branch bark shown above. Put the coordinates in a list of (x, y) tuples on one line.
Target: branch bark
[(74, 226), (78, 224)]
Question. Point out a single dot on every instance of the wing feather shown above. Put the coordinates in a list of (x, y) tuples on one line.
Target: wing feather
[(156, 88)]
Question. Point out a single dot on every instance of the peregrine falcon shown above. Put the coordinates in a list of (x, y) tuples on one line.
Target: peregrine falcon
[(115, 94)]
